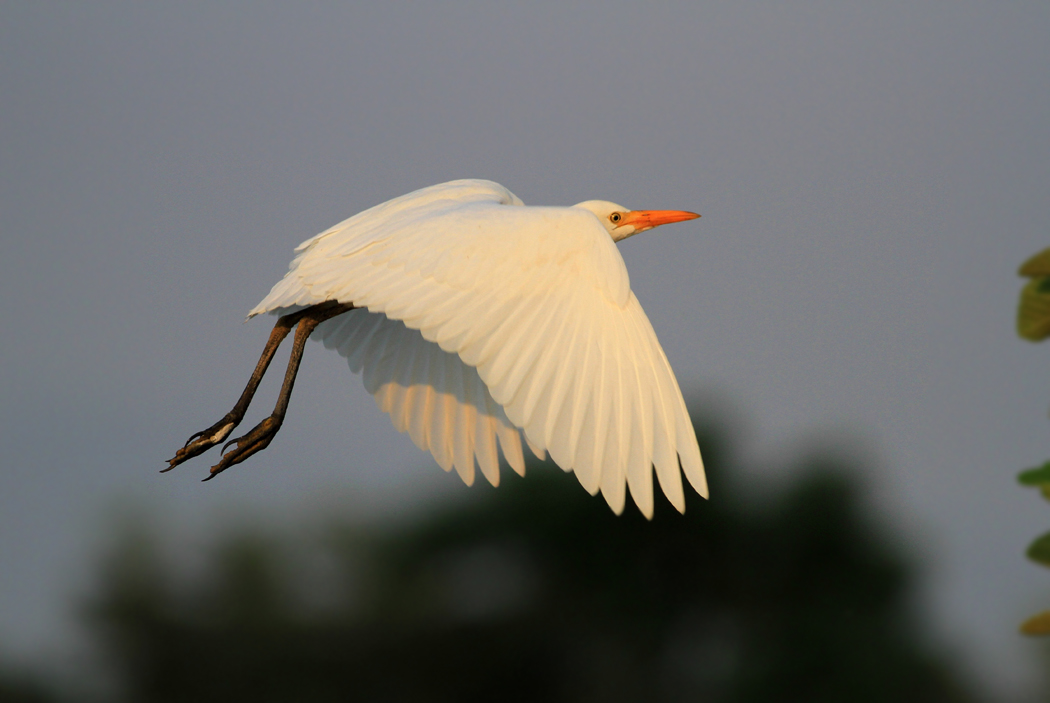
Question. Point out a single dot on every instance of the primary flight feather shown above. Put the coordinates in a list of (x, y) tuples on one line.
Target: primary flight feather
[(473, 320)]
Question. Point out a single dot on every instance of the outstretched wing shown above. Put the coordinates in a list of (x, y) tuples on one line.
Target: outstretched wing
[(538, 302), (429, 393)]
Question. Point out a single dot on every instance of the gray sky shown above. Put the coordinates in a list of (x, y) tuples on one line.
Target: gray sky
[(869, 179)]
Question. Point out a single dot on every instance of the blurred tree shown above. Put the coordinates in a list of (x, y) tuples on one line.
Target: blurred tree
[(24, 688), (536, 592)]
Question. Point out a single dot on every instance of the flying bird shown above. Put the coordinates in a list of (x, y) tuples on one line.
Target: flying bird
[(477, 321)]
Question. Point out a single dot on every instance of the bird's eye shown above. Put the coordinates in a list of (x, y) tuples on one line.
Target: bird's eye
[(615, 217)]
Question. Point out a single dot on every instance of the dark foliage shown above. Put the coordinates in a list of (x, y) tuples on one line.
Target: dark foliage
[(23, 689), (537, 592)]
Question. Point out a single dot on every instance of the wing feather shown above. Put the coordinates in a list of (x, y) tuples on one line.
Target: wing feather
[(464, 419), (665, 458), (640, 446), (485, 432), (602, 389), (431, 394), (542, 400), (510, 443), (440, 432), (614, 468), (419, 422)]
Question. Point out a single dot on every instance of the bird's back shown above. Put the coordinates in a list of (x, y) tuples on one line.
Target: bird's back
[(377, 224)]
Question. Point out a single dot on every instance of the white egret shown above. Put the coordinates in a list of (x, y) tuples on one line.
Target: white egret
[(474, 319)]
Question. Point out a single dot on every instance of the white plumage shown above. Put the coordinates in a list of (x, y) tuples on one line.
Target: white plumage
[(479, 316)]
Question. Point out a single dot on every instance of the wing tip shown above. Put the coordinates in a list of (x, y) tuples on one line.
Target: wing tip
[(699, 482)]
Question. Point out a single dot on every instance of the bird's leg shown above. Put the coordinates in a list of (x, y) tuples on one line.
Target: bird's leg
[(262, 434), (204, 440)]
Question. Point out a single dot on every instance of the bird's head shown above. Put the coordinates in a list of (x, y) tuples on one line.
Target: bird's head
[(622, 223)]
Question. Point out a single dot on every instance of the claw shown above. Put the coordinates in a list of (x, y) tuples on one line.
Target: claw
[(204, 440), (254, 441), (194, 436)]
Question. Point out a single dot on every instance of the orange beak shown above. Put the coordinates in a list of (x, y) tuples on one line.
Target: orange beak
[(647, 219)]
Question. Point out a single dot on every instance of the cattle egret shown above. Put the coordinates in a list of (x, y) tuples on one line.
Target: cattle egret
[(473, 320)]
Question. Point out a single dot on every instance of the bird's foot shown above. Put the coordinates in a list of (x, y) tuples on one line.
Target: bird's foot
[(204, 440), (255, 441)]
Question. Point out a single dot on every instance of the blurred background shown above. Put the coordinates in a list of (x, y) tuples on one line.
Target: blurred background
[(841, 318)]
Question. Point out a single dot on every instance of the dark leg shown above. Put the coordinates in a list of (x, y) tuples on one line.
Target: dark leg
[(262, 434), (206, 439)]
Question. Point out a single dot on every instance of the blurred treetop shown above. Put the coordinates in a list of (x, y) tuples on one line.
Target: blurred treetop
[(537, 592)]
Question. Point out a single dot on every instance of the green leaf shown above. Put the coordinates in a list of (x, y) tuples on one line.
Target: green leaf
[(1033, 312), (1038, 265), (1035, 477), (1037, 624), (1039, 550), (1046, 491)]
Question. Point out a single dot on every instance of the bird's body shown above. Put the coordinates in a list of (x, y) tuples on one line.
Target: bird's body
[(474, 316)]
